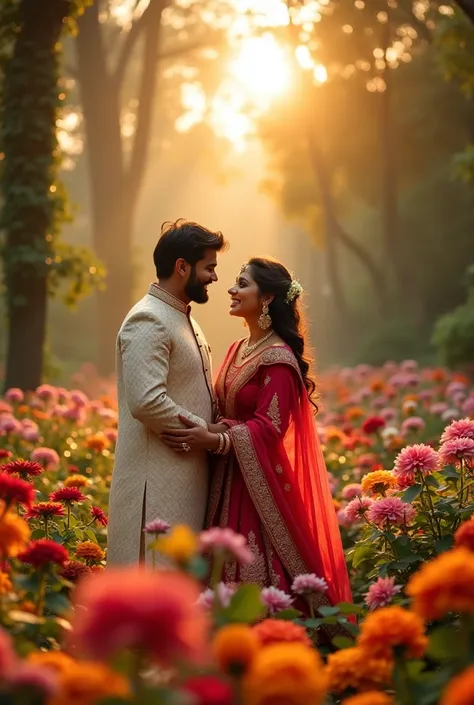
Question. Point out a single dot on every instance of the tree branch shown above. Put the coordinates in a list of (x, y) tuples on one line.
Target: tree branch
[(131, 40)]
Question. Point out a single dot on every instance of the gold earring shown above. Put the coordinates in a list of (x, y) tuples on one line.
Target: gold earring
[(264, 320)]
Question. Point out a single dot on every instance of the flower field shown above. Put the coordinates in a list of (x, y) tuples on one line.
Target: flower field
[(399, 447)]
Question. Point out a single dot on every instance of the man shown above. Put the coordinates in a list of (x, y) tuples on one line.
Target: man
[(163, 371)]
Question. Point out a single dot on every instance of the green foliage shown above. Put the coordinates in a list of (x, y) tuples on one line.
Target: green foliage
[(454, 332), (454, 38)]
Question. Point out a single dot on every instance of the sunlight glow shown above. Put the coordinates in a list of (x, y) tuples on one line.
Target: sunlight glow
[(261, 67)]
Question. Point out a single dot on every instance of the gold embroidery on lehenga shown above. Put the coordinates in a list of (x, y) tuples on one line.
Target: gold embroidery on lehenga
[(273, 413), (287, 487), (256, 572), (279, 469), (274, 576), (267, 380), (230, 571)]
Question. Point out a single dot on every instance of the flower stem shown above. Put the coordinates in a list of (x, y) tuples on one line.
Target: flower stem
[(68, 516), (41, 593), (217, 566)]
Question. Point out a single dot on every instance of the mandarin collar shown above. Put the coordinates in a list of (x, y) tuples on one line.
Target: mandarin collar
[(169, 299)]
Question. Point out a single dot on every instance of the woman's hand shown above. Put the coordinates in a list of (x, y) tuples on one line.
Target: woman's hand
[(190, 438)]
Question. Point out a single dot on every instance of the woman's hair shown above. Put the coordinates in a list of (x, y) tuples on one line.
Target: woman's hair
[(274, 279)]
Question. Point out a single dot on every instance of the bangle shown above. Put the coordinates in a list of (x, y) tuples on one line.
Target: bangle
[(218, 451), (227, 444)]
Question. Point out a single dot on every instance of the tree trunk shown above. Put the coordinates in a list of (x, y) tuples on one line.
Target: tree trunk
[(30, 101), (114, 182)]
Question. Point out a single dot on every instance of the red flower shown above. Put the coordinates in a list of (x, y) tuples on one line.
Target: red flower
[(73, 570), (372, 424), (5, 454), (24, 468), (68, 495), (42, 552), (44, 510), (464, 536), (209, 690), (98, 515), (13, 490)]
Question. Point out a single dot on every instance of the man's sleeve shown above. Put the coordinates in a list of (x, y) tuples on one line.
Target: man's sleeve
[(145, 350)]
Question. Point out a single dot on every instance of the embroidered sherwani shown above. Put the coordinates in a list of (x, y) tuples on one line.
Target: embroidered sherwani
[(163, 370)]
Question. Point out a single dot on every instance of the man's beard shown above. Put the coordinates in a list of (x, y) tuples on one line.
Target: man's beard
[(196, 290)]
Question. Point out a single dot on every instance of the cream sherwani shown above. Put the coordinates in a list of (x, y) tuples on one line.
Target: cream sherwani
[(163, 370)]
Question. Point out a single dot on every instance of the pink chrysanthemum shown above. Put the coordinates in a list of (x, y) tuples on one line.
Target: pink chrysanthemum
[(358, 508), (391, 510), (342, 518), (275, 600), (78, 398), (468, 406), (351, 491), (46, 457), (23, 468), (457, 450), (381, 593), (462, 428), (224, 594), (418, 458), (9, 424), (413, 423), (308, 583), (14, 395), (438, 408), (98, 515), (388, 413), (233, 545), (157, 526), (68, 495), (46, 392)]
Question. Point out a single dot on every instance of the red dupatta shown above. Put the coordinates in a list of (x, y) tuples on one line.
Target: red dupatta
[(279, 454)]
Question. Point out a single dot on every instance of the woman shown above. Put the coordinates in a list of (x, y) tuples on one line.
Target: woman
[(271, 482)]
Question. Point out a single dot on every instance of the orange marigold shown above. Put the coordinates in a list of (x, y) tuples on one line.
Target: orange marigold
[(355, 412), (373, 697), (14, 534), (56, 660), (234, 648), (75, 481), (354, 668), (90, 551), (87, 682), (275, 631), (464, 536), (460, 689), (98, 442), (285, 673), (390, 628), (444, 585), (378, 482), (5, 583)]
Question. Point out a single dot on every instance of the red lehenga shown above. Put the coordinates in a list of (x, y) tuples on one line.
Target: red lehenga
[(273, 486)]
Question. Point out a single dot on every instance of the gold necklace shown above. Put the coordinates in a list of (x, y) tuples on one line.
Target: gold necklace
[(248, 349)]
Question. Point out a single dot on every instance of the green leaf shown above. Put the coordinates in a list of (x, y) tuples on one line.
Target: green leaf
[(245, 606), (198, 567), (450, 473), (445, 644), (349, 608), (327, 611), (361, 554), (412, 493), (57, 602), (342, 642), (443, 544), (288, 614)]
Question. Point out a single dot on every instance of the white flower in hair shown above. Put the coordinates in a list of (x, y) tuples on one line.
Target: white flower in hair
[(294, 290)]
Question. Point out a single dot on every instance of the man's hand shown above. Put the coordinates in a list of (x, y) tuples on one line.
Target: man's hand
[(190, 438)]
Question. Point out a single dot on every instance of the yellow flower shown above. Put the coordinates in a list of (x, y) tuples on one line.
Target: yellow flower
[(14, 535), (354, 668), (5, 583), (333, 434), (85, 683), (285, 673), (90, 551), (378, 482), (460, 689), (75, 481), (355, 412), (234, 648), (390, 628), (444, 585), (180, 544), (97, 442), (373, 697)]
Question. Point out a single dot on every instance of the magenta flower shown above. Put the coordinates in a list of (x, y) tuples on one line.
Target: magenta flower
[(438, 408), (413, 423), (46, 392), (391, 510), (468, 405), (157, 526), (388, 413), (224, 594), (46, 457), (351, 491), (381, 593), (358, 508), (233, 545), (342, 518), (418, 458), (9, 424), (462, 428), (78, 398), (308, 583), (275, 600), (457, 450)]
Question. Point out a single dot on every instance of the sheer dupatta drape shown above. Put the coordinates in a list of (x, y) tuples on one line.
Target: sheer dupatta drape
[(278, 452)]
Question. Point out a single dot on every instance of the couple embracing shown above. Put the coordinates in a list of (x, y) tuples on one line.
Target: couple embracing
[(243, 455)]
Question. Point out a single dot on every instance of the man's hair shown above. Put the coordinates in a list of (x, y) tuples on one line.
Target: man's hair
[(186, 240)]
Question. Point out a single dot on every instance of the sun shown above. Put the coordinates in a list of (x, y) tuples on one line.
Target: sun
[(262, 68)]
